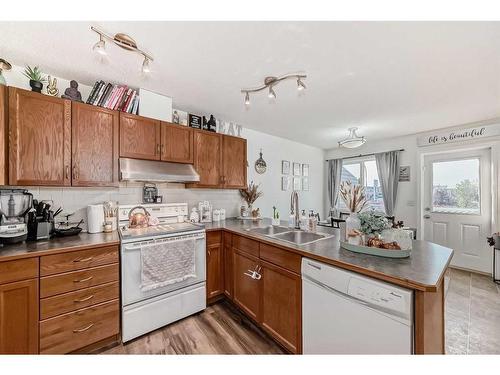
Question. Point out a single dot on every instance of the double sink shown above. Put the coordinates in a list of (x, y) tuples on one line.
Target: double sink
[(297, 237)]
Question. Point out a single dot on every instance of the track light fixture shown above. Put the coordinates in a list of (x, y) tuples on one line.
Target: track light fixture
[(270, 82), (124, 41)]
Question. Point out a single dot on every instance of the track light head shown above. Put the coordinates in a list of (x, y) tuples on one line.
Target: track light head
[(300, 85), (145, 66), (100, 47), (272, 94), (247, 98)]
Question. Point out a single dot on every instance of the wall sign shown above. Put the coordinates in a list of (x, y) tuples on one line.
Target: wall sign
[(459, 135), (404, 173), (229, 128)]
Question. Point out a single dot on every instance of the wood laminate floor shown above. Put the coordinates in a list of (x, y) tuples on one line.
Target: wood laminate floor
[(472, 325), (219, 329)]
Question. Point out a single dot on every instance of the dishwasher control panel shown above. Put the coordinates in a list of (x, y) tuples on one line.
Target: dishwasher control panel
[(386, 298)]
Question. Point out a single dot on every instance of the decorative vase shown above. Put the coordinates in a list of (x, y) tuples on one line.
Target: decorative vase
[(352, 227), (36, 86)]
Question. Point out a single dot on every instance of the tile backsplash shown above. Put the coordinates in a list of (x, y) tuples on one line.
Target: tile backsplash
[(75, 200)]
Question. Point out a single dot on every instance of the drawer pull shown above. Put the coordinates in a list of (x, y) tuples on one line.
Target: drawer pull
[(83, 280), (83, 329), (83, 260), (84, 299)]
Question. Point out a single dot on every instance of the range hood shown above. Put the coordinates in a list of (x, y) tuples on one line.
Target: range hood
[(156, 171)]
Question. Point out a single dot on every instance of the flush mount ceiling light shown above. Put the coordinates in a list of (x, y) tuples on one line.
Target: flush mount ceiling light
[(353, 141), (121, 40), (270, 82)]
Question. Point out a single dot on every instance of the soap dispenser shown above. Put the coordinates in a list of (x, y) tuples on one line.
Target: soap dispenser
[(303, 220)]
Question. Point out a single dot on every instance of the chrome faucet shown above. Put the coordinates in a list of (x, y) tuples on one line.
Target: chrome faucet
[(294, 208)]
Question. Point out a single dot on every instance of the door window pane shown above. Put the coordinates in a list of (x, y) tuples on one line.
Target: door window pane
[(455, 186)]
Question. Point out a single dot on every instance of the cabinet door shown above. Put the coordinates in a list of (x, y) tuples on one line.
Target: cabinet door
[(94, 146), (228, 265), (139, 137), (39, 139), (19, 317), (282, 306), (176, 143), (4, 177), (234, 162), (247, 290), (207, 158), (215, 276)]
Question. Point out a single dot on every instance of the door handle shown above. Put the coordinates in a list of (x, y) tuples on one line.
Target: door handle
[(427, 209), (427, 216)]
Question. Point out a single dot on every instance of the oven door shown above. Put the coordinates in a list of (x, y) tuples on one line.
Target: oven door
[(131, 270)]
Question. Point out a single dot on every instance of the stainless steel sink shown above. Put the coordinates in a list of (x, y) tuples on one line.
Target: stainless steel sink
[(270, 230), (299, 237)]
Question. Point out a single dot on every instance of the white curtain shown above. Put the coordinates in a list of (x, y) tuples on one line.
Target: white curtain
[(334, 175), (388, 172)]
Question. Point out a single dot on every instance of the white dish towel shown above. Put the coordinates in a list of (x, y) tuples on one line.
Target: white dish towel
[(167, 262)]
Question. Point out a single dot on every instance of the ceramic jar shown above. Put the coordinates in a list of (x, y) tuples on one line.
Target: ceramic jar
[(352, 227)]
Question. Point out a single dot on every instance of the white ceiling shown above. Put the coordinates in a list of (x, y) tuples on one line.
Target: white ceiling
[(387, 78)]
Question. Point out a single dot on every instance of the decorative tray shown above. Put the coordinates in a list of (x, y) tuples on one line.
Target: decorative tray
[(375, 251), (249, 218)]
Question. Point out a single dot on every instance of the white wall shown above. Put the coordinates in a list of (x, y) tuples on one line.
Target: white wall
[(408, 192)]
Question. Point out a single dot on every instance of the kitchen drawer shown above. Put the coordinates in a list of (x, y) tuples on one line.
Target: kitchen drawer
[(75, 330), (76, 280), (64, 303), (247, 245), (280, 257), (77, 260), (214, 238), (17, 270)]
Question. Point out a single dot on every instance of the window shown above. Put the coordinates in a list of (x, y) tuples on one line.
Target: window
[(455, 187), (364, 172)]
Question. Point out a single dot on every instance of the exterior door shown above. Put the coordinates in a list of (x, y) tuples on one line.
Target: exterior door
[(39, 139), (139, 137), (457, 209), (94, 146)]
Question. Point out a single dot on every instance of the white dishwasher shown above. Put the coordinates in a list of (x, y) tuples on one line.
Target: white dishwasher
[(345, 313)]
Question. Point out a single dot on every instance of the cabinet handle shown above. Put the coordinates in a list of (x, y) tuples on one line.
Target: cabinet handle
[(162, 148), (209, 253), (67, 172), (83, 260), (84, 299), (83, 280), (75, 172), (157, 148), (83, 329)]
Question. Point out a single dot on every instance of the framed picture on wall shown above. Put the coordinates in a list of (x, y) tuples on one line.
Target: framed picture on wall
[(285, 183), (305, 183), (297, 183), (296, 169), (305, 170), (285, 167)]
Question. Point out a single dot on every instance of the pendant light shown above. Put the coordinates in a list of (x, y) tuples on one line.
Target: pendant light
[(145, 66), (300, 85), (353, 141), (100, 47), (272, 94)]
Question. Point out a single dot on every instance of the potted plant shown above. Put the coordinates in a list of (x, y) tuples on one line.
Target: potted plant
[(372, 224), (36, 78), (250, 195), (355, 199)]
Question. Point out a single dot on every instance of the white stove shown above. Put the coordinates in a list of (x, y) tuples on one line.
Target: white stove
[(144, 310)]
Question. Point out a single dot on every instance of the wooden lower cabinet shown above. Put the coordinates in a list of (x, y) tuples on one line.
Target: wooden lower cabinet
[(19, 317), (247, 290), (282, 306), (227, 255), (74, 330), (215, 275)]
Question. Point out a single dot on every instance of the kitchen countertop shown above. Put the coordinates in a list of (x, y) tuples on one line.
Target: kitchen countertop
[(423, 270), (58, 245)]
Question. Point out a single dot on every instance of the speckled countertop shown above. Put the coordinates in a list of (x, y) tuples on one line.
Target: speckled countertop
[(423, 270), (58, 245)]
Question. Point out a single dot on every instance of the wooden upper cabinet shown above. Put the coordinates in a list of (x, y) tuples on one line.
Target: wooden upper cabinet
[(94, 146), (39, 139), (234, 162), (140, 137), (4, 177), (207, 158), (176, 143), (282, 306)]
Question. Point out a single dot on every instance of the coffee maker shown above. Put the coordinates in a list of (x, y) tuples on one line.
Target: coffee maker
[(14, 205)]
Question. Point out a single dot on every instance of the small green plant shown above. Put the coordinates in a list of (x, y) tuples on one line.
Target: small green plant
[(372, 222), (34, 74)]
